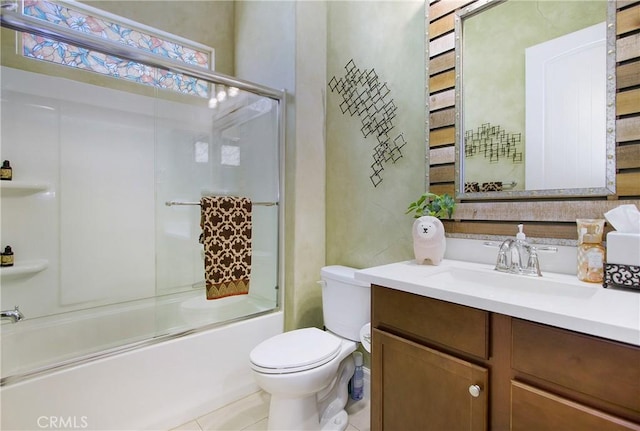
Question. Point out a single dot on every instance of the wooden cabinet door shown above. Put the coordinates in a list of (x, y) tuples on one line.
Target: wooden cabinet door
[(533, 409), (607, 370), (418, 388)]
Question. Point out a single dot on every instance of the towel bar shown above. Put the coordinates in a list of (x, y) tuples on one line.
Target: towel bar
[(172, 203)]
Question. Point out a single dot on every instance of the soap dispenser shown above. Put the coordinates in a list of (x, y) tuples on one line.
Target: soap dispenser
[(521, 241), (591, 253)]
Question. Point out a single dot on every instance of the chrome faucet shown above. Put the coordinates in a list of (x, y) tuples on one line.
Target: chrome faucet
[(517, 256), (14, 315)]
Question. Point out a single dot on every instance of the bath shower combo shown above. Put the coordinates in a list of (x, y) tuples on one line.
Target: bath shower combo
[(108, 277)]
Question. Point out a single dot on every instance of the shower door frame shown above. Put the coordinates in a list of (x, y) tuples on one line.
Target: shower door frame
[(16, 21)]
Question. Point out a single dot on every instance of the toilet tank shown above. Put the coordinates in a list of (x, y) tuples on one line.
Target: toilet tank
[(346, 302)]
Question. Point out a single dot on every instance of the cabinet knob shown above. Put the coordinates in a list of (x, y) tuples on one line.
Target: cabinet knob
[(475, 390)]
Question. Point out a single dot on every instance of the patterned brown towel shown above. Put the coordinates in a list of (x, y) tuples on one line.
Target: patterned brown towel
[(493, 186), (226, 234), (471, 187)]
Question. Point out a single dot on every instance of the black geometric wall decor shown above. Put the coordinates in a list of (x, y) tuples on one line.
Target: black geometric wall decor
[(493, 143), (364, 95)]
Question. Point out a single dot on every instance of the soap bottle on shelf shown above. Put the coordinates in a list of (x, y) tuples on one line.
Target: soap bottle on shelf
[(591, 253), (6, 172), (6, 257)]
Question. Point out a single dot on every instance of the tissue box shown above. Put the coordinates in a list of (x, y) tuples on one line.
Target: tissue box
[(623, 248), (626, 276)]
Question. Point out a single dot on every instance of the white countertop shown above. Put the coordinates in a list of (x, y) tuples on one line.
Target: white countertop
[(555, 299)]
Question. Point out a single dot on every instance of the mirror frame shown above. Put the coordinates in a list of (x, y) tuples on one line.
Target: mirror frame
[(608, 189)]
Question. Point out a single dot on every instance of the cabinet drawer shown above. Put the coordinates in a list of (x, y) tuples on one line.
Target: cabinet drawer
[(534, 409), (451, 325), (603, 369)]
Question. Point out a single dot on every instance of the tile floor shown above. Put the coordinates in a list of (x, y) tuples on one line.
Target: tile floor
[(250, 414)]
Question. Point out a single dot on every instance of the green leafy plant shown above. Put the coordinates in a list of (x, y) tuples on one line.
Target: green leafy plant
[(431, 204)]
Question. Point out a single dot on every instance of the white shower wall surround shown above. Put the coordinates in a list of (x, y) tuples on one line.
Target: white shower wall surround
[(121, 265), (110, 165)]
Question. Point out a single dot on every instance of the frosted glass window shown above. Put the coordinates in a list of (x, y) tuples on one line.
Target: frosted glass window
[(201, 151), (230, 155)]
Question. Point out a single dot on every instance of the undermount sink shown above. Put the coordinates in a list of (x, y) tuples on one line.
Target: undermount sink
[(494, 284)]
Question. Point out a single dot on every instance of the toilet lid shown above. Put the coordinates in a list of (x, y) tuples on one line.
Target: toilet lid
[(295, 351)]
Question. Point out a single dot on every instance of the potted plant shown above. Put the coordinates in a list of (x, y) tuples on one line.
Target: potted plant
[(431, 204), (429, 242)]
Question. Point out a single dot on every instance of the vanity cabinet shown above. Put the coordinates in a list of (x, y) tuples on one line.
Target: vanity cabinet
[(421, 377), (437, 365), (423, 388)]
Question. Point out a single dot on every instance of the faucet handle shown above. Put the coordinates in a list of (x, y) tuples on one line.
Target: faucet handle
[(547, 248), (533, 264), (491, 244), (501, 262)]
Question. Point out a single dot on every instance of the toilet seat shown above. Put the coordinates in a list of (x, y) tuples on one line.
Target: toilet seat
[(295, 351)]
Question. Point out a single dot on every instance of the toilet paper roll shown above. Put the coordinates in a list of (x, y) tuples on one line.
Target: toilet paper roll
[(365, 337)]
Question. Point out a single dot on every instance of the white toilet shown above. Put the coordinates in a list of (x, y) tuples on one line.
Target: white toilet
[(307, 371)]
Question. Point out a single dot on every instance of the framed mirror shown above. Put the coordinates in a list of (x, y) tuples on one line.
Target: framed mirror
[(535, 99)]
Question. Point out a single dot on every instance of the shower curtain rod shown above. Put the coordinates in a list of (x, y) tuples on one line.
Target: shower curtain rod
[(19, 22), (172, 203)]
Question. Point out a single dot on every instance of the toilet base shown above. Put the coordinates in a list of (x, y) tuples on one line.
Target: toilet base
[(323, 411), (295, 414), (337, 423), (331, 403)]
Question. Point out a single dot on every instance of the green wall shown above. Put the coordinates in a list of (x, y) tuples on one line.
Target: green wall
[(366, 225)]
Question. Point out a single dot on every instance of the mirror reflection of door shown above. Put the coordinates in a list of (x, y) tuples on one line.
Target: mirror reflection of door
[(566, 111)]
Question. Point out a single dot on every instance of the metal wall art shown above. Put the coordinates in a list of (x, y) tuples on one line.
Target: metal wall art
[(493, 143), (364, 95)]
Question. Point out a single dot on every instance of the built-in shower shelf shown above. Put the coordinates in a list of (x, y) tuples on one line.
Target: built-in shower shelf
[(26, 267), (14, 188)]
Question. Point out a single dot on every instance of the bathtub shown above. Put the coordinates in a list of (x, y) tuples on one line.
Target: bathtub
[(142, 385)]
